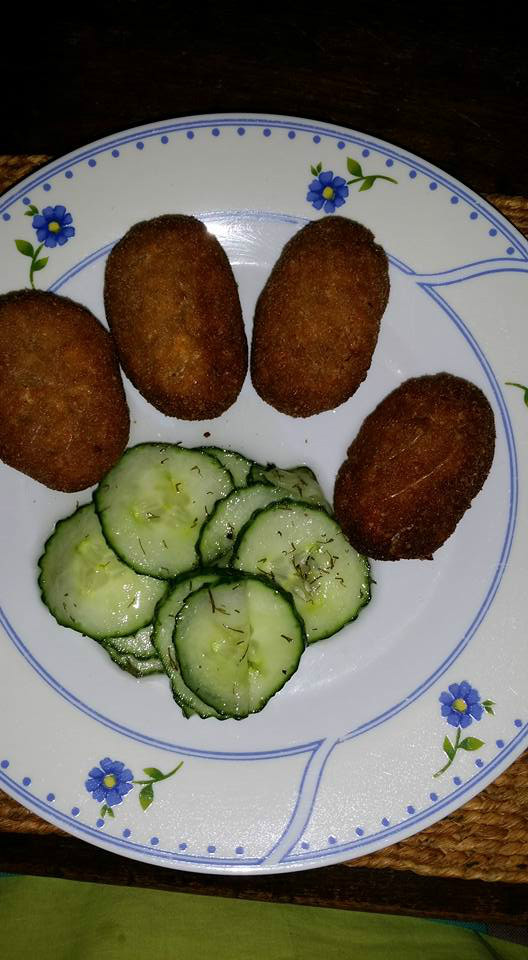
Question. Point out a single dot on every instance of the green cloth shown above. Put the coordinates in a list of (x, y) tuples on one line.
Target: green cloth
[(53, 919)]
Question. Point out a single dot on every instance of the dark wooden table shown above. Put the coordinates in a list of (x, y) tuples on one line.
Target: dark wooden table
[(447, 82)]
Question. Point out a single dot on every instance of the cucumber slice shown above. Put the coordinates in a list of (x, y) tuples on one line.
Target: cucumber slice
[(138, 644), (137, 667), (238, 465), (237, 643), (220, 531), (86, 587), (164, 620), (300, 482), (304, 550), (152, 503)]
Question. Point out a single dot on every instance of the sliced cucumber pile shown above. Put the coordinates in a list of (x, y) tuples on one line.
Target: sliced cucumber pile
[(162, 638), (137, 645), (300, 482), (237, 643), (86, 587), (238, 465), (220, 531), (152, 503), (137, 666), (300, 547), (207, 567), (135, 653)]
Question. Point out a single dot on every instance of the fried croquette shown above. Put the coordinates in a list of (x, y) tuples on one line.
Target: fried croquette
[(172, 306), (317, 319), (63, 414), (416, 464)]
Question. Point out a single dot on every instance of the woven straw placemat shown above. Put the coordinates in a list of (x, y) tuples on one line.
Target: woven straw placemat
[(485, 839)]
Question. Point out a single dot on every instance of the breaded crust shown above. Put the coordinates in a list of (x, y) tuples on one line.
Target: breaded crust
[(415, 466), (317, 319), (172, 305), (63, 414)]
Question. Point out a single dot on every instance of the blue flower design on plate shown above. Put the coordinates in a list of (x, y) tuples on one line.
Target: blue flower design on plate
[(327, 192), (461, 705), (53, 226), (109, 782)]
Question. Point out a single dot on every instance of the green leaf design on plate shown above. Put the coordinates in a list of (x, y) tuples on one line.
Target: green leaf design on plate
[(31, 211), (354, 168), (488, 707), (24, 248), (313, 170), (154, 773), (471, 743), (146, 796), (40, 264), (367, 183), (521, 386), (450, 749)]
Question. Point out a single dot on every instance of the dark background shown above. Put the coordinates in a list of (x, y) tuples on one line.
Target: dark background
[(447, 81)]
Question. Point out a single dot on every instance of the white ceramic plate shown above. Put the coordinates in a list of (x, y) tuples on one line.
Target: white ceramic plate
[(342, 761)]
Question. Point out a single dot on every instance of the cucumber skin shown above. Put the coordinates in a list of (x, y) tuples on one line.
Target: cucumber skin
[(244, 575), (116, 641), (254, 478), (364, 601), (132, 665), (74, 625), (214, 451), (258, 474)]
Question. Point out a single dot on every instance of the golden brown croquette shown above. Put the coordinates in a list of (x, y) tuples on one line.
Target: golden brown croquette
[(317, 319), (172, 306), (63, 414), (416, 464)]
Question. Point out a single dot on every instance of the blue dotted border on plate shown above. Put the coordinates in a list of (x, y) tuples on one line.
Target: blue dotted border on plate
[(334, 845), (152, 848), (412, 817), (71, 820), (292, 127)]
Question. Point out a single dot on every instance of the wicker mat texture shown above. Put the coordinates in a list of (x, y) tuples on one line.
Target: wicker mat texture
[(485, 839)]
